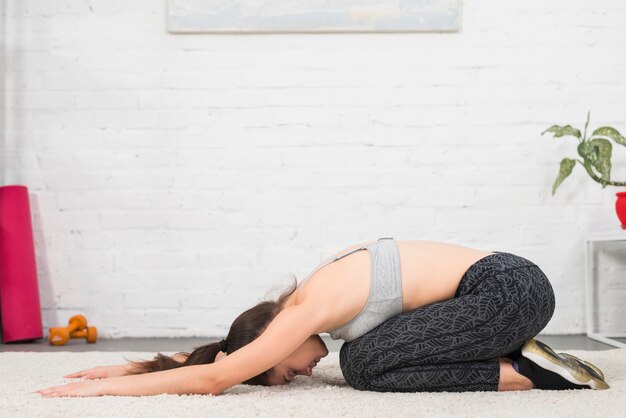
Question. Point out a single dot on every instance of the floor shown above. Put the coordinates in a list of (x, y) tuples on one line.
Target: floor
[(557, 342)]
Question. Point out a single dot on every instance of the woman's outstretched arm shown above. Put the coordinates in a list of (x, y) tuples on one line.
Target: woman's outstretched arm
[(183, 380), (100, 372), (288, 331)]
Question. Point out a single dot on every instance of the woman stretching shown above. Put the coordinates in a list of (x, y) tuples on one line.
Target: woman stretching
[(415, 316)]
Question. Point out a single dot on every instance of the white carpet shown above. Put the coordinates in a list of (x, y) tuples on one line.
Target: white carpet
[(325, 394)]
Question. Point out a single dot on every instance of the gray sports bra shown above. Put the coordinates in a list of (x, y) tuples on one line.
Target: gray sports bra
[(385, 296)]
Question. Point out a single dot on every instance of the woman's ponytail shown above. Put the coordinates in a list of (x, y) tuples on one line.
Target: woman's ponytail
[(201, 355)]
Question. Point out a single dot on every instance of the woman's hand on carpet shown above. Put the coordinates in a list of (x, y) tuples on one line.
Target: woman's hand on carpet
[(82, 388), (100, 372)]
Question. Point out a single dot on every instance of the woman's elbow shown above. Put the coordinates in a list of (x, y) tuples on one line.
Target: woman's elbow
[(213, 391), (201, 379), (212, 384), (209, 386), (215, 387)]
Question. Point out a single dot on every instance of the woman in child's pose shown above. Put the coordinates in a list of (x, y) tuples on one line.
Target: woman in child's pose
[(415, 316)]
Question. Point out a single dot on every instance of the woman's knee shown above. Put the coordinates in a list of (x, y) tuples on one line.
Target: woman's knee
[(353, 366), (545, 294), (536, 302)]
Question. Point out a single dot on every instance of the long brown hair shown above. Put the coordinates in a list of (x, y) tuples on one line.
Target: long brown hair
[(244, 329)]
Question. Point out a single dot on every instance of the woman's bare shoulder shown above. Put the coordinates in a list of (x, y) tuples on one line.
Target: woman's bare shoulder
[(353, 247), (334, 287)]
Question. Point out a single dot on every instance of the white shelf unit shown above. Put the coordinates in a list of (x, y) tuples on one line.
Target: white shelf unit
[(590, 289)]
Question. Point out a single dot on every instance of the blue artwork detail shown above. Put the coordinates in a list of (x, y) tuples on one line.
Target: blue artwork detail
[(241, 16)]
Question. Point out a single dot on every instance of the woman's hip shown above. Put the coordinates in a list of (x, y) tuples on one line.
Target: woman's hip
[(517, 281)]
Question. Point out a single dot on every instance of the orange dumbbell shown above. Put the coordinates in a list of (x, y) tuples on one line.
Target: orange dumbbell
[(77, 329)]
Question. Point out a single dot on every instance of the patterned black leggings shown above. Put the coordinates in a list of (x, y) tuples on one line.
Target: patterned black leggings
[(502, 301)]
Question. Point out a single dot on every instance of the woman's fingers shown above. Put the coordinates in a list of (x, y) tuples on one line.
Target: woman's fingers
[(79, 374), (51, 391), (87, 374), (76, 374), (99, 372), (72, 389)]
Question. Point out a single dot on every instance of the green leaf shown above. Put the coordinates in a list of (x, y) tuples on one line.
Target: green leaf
[(597, 152), (560, 131), (607, 131), (567, 165)]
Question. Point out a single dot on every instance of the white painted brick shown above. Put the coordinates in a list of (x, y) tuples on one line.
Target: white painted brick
[(132, 220), (106, 100), (157, 300), (158, 260), (97, 240), (178, 177)]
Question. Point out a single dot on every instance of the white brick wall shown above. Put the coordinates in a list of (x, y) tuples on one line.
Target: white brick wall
[(177, 178)]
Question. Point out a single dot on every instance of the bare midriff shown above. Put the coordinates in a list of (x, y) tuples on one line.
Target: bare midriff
[(431, 272)]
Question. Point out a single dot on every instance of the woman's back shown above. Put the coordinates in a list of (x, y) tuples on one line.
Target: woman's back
[(430, 272)]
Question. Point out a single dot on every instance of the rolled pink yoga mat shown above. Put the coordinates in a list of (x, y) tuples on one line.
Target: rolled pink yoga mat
[(19, 293)]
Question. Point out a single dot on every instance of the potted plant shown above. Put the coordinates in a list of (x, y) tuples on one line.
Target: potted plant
[(595, 151)]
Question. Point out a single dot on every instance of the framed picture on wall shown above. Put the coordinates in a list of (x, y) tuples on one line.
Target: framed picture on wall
[(312, 16)]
